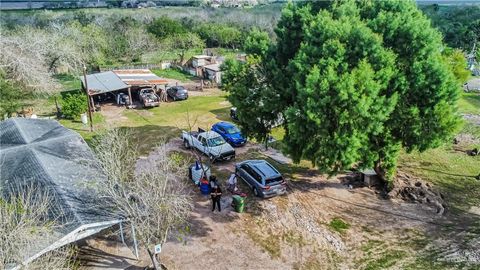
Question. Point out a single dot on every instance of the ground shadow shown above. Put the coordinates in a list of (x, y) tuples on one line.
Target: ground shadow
[(222, 114), (147, 137)]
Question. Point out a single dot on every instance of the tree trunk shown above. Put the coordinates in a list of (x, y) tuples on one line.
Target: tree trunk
[(381, 175), (153, 257)]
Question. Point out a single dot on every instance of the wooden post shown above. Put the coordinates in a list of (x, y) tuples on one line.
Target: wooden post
[(88, 97), (130, 95)]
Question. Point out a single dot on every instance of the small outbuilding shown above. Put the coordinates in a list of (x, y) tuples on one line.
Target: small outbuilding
[(213, 73), (370, 178)]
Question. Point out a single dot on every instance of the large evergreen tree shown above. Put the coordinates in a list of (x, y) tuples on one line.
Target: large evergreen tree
[(356, 81)]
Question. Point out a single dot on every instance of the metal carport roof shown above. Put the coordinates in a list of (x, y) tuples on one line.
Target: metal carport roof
[(44, 155), (104, 82)]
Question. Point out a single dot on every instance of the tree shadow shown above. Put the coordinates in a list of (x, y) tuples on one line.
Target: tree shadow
[(147, 137), (222, 114)]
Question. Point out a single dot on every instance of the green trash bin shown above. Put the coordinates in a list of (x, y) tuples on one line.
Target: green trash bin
[(238, 203)]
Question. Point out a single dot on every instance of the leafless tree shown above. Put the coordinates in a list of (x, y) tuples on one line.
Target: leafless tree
[(155, 200), (30, 56), (23, 59), (24, 222)]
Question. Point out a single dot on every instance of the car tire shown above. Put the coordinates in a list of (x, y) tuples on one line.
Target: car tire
[(255, 192), (186, 144)]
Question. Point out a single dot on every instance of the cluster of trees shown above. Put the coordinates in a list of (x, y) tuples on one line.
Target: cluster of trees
[(354, 82), (47, 43), (211, 34), (460, 25)]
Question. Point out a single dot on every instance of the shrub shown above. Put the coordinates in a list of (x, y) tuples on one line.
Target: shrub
[(73, 105)]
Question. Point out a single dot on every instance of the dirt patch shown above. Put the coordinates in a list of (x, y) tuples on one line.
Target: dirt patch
[(414, 189), (472, 118), (113, 113), (466, 139), (294, 232)]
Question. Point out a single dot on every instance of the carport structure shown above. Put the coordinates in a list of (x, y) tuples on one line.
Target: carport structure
[(43, 155), (120, 80)]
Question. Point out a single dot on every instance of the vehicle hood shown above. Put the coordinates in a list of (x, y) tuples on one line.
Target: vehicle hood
[(236, 136), (221, 149)]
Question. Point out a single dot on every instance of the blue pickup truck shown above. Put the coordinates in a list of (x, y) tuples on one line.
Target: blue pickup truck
[(230, 133)]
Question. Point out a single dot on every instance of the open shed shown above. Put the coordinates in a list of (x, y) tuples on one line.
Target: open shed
[(108, 85), (42, 154)]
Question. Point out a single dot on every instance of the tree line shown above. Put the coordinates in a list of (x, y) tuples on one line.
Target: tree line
[(36, 48)]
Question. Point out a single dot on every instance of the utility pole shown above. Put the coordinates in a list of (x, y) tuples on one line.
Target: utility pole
[(88, 97)]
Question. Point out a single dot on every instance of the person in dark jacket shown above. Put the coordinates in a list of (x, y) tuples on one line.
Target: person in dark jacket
[(216, 195)]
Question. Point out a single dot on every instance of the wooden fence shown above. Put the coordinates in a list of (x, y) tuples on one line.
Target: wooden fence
[(162, 65)]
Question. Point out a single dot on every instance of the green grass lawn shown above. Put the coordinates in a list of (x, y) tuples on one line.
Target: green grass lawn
[(175, 74), (68, 81), (450, 170), (151, 126), (469, 103), (84, 130)]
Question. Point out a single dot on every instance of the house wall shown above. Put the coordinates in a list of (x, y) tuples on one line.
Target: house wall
[(198, 62)]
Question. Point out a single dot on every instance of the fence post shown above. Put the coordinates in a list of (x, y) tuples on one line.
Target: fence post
[(134, 240)]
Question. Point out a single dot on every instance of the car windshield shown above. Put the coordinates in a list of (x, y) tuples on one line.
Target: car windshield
[(217, 141), (232, 130)]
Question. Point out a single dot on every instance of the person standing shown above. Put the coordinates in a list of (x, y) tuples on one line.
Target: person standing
[(232, 183), (216, 195)]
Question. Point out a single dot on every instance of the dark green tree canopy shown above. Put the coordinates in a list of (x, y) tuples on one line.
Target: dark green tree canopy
[(164, 27), (355, 81)]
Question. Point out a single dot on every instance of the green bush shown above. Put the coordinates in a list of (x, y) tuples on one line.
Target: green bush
[(73, 105), (11, 98)]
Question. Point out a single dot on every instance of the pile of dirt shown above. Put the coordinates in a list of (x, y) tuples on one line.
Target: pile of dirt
[(415, 190)]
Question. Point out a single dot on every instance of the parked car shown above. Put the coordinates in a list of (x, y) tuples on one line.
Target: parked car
[(209, 143), (230, 133), (262, 177), (122, 99), (148, 98), (177, 93), (233, 113)]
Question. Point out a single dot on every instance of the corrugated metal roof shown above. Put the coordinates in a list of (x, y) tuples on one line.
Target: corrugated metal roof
[(137, 77), (214, 67), (109, 81), (104, 82)]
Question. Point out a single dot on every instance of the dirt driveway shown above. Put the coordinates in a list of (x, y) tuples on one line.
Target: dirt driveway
[(298, 231)]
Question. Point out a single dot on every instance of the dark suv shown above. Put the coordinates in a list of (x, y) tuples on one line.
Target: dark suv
[(262, 177), (177, 93)]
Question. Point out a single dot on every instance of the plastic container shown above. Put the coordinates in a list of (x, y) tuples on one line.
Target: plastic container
[(84, 118), (205, 187), (196, 172), (238, 203)]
